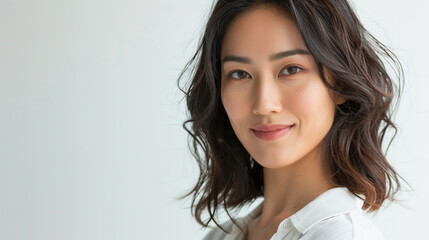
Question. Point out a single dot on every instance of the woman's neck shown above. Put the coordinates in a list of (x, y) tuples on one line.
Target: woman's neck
[(288, 189)]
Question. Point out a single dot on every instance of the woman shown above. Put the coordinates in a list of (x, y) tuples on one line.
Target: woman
[(290, 101)]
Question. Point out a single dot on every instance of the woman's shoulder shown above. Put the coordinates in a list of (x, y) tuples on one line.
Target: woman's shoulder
[(234, 231), (217, 233), (349, 226)]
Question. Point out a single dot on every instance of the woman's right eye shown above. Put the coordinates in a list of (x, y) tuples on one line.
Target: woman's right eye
[(238, 75)]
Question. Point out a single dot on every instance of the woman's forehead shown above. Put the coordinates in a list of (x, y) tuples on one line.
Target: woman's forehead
[(261, 31)]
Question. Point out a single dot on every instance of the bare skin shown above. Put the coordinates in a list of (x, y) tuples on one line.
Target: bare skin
[(277, 92)]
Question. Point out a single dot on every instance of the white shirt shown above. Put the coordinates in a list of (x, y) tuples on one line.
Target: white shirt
[(335, 214)]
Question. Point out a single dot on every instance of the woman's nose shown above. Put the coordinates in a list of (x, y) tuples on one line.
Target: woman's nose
[(267, 97)]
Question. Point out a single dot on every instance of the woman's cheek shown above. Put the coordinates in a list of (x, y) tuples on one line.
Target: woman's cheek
[(234, 104), (312, 105)]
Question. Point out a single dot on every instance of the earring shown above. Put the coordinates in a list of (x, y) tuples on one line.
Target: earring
[(252, 162)]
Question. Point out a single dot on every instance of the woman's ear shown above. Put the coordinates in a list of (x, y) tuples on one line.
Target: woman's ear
[(338, 99)]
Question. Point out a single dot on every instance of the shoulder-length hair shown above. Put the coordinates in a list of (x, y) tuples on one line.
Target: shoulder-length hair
[(352, 149)]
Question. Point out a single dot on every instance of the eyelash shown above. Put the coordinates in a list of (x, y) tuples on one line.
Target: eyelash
[(299, 69)]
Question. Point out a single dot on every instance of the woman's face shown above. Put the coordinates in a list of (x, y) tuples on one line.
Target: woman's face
[(260, 87)]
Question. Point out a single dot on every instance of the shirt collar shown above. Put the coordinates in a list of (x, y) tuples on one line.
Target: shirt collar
[(335, 201), (330, 203)]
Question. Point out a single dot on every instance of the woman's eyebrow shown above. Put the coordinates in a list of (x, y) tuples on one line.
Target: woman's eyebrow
[(234, 58)]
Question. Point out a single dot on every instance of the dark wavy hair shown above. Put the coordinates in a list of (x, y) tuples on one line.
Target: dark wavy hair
[(352, 148)]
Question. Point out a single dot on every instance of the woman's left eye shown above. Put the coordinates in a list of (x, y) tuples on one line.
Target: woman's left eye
[(292, 70)]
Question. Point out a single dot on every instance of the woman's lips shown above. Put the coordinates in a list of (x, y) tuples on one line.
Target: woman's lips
[(272, 135)]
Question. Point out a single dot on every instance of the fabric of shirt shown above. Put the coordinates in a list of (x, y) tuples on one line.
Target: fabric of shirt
[(336, 214)]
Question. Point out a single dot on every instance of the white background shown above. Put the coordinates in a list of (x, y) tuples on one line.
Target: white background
[(91, 143)]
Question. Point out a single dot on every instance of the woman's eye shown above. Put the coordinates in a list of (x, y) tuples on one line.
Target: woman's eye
[(292, 70), (239, 74)]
